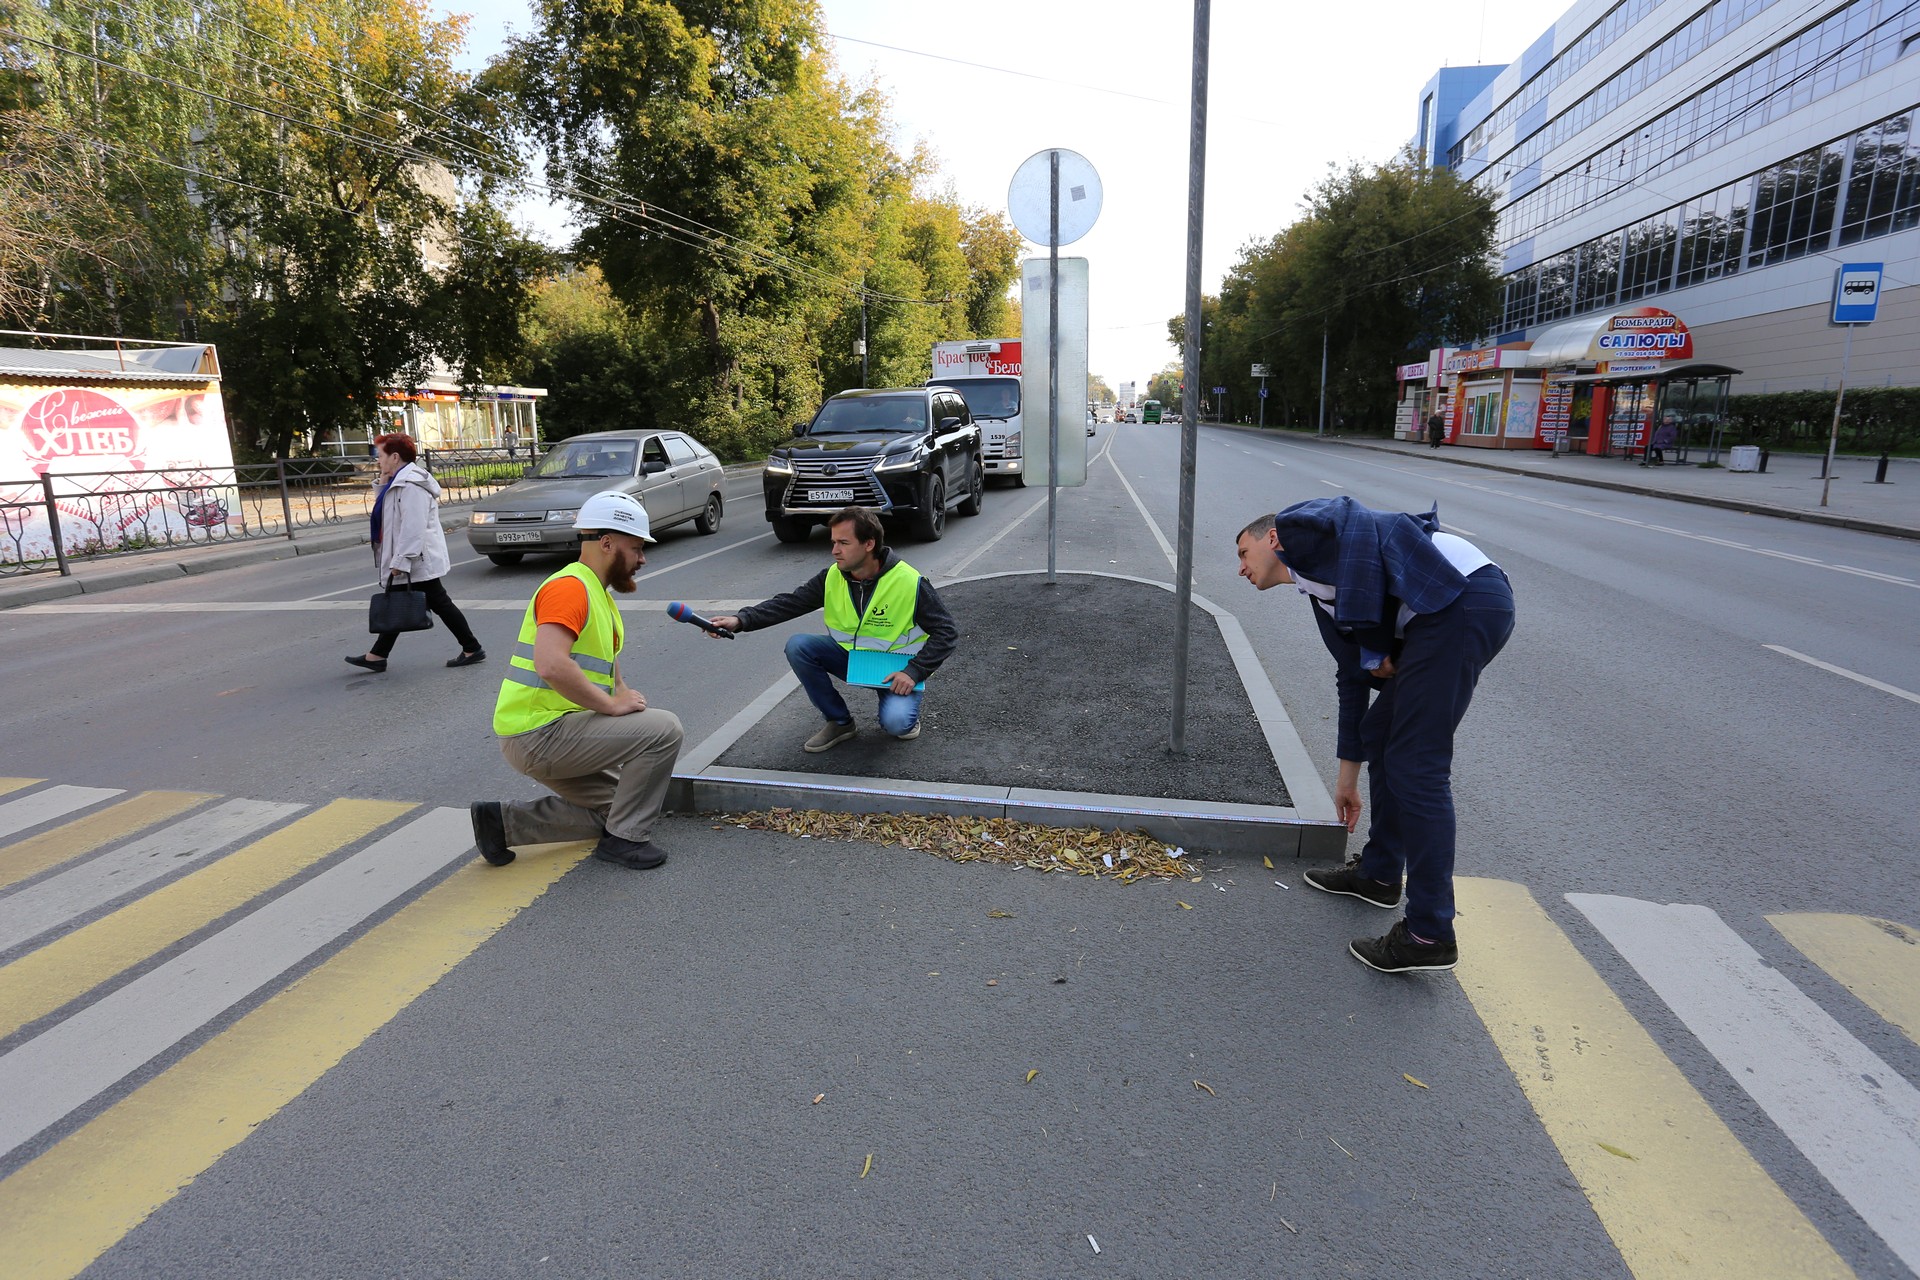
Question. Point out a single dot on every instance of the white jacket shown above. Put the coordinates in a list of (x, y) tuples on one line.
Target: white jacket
[(411, 539)]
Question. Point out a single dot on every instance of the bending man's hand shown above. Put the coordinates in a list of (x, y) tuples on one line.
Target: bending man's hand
[(1346, 795), (901, 683)]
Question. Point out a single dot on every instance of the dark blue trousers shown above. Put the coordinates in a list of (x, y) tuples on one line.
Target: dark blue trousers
[(1406, 738)]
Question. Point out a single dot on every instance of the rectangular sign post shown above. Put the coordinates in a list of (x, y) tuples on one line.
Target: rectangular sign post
[(1856, 300), (1260, 372)]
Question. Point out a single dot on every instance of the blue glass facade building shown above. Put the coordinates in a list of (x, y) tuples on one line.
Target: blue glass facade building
[(1715, 158)]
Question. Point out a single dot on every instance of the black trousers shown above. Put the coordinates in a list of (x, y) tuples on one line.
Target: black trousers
[(440, 603)]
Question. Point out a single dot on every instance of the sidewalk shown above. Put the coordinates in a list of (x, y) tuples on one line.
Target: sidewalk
[(1789, 489)]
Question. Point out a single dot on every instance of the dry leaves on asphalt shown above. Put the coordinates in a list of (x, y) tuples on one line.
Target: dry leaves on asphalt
[(1125, 856)]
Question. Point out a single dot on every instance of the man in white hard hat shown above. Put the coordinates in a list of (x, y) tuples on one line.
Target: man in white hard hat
[(566, 716)]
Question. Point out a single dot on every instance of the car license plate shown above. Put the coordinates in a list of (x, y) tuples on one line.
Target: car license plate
[(830, 495), (527, 535)]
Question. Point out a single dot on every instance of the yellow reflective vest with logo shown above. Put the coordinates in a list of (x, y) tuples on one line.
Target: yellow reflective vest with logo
[(527, 702), (887, 625)]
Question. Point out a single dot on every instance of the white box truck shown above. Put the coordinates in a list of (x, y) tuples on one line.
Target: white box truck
[(986, 373)]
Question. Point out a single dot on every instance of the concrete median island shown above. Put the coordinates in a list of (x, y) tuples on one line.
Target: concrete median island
[(1056, 710)]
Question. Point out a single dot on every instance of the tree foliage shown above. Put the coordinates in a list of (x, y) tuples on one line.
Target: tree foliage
[(1387, 263)]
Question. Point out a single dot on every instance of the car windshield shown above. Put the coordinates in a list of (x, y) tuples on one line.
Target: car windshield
[(862, 414), (588, 459), (990, 397)]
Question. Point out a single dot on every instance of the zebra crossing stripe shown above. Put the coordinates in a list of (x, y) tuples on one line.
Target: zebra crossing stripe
[(16, 784), (45, 806), (1850, 1113), (62, 898), (68, 967), (1669, 1181), (66, 1207), (1877, 960), (66, 1066), (82, 836)]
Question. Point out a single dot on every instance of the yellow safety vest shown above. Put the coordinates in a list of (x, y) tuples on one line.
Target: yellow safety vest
[(527, 702), (887, 624)]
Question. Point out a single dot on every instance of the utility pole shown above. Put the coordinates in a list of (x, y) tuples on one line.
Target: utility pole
[(1323, 380), (1190, 356)]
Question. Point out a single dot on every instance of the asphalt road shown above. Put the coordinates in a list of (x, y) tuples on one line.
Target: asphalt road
[(620, 1079)]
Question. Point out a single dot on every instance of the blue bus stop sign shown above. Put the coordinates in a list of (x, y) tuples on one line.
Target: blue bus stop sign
[(1263, 393), (1856, 293)]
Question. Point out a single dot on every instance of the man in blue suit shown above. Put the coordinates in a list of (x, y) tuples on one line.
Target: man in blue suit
[(1411, 615)]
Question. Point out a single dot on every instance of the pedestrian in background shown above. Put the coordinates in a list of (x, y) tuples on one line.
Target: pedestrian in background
[(1665, 437), (1412, 616), (1436, 429), (409, 544)]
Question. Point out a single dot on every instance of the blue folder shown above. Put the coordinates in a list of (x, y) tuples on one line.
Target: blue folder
[(872, 667)]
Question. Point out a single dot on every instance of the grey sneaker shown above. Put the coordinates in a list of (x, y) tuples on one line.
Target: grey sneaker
[(829, 736), (1349, 882), (910, 734)]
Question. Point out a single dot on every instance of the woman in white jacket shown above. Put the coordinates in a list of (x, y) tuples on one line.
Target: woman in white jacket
[(408, 543)]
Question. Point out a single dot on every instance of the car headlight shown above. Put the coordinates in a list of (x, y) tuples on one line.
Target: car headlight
[(779, 466), (1011, 447), (903, 462), (563, 515), (483, 517)]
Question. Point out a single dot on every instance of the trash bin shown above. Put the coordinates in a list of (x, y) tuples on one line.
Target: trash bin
[(1743, 457)]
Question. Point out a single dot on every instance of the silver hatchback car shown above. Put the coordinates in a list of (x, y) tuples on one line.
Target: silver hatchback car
[(675, 477)]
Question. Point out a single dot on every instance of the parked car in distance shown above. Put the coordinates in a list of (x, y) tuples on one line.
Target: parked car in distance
[(910, 453), (675, 477)]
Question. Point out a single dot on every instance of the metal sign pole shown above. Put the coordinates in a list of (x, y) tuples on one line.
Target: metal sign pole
[(1839, 396), (1053, 359), (1190, 356)]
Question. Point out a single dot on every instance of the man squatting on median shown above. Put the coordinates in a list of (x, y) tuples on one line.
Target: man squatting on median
[(1412, 616), (566, 716), (873, 600)]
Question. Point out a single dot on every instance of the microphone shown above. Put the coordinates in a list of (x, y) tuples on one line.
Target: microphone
[(680, 613)]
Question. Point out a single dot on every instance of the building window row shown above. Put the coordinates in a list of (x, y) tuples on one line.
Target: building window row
[(1848, 45), (1849, 190), (1679, 46), (1589, 45)]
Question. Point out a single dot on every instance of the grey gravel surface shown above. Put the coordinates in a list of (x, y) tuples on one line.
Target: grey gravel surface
[(1063, 687)]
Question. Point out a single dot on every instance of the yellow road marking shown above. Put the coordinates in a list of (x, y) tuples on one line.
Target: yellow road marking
[(15, 784), (83, 835), (69, 1206), (41, 981), (1877, 960), (1670, 1182)]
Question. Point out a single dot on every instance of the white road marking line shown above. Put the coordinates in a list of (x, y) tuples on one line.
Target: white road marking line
[(1166, 547), (47, 904), (45, 806), (75, 1060), (967, 561), (1640, 524), (1336, 486), (1869, 681), (707, 555), (1454, 528), (1277, 464), (1853, 1116)]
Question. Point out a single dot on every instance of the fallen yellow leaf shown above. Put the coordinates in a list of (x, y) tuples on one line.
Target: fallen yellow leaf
[(1031, 1074), (1612, 1150), (867, 1168), (1185, 906), (1410, 1080), (999, 915), (1269, 862), (1201, 1084)]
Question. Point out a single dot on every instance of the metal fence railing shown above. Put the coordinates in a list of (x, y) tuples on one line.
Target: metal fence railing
[(49, 521)]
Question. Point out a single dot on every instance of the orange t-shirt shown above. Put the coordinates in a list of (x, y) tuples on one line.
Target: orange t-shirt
[(562, 602)]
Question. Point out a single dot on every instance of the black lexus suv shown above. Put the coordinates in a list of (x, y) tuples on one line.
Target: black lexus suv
[(908, 452)]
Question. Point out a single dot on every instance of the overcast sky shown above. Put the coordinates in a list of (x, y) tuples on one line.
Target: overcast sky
[(1294, 88)]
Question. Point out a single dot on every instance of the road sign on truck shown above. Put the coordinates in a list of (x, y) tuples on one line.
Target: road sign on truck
[(986, 372)]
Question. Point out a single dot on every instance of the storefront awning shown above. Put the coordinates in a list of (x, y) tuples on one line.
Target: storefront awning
[(1636, 334)]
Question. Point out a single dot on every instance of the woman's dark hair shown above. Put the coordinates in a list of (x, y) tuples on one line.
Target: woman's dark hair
[(397, 443), (866, 525)]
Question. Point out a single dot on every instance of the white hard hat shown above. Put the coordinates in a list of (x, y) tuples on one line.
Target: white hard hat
[(614, 512)]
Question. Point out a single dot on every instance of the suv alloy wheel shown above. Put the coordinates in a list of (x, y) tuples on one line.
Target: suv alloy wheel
[(932, 520)]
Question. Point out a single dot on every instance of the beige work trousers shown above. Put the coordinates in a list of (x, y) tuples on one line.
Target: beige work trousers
[(608, 773)]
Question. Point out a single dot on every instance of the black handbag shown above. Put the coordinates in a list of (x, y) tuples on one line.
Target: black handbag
[(398, 608)]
